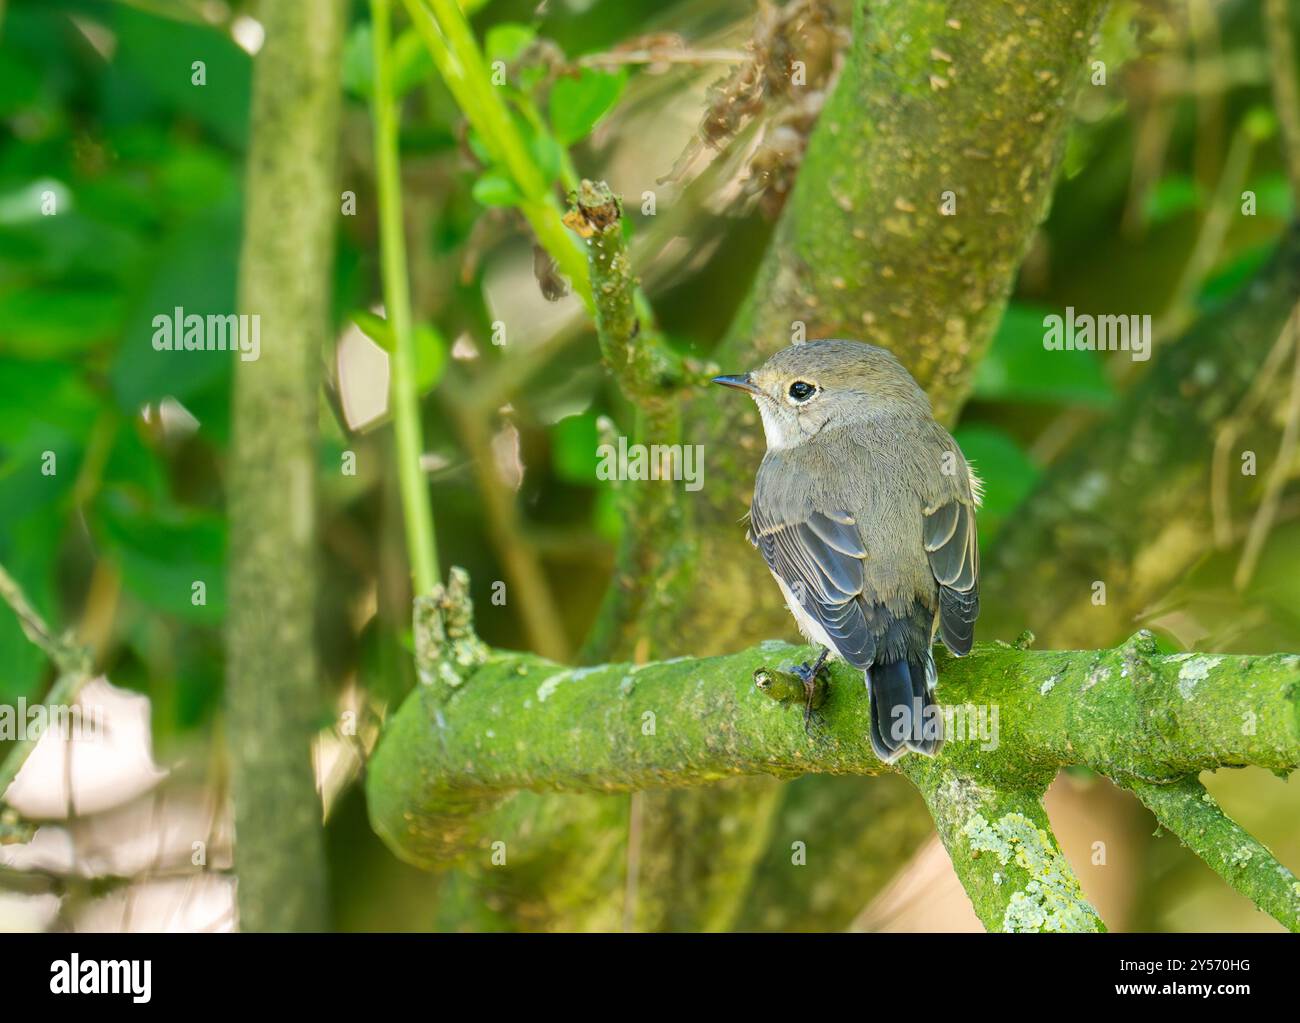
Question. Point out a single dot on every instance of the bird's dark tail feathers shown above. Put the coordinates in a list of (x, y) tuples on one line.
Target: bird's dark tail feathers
[(901, 693)]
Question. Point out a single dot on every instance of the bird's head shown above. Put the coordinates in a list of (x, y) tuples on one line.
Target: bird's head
[(807, 387)]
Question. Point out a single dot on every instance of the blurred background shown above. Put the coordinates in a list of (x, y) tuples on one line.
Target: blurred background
[(98, 109)]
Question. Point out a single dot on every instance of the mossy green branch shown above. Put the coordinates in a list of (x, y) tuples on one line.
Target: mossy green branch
[(1017, 716), (656, 548), (649, 373), (1186, 809)]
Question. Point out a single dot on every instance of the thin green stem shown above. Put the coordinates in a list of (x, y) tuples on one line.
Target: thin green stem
[(62, 694), (416, 507), (501, 135), (66, 655), (442, 26), (1209, 240), (71, 660)]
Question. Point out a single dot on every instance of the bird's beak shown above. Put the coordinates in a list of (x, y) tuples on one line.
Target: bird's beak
[(740, 383)]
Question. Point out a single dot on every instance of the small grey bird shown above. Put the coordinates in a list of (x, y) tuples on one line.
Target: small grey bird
[(864, 509)]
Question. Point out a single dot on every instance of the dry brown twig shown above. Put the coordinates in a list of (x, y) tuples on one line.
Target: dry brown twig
[(792, 59), (1281, 471), (1225, 534)]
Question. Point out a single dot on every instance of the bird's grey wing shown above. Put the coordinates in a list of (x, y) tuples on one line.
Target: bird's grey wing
[(952, 546), (820, 557)]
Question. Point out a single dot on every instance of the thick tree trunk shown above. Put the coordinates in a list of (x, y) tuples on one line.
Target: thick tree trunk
[(864, 249), (285, 273)]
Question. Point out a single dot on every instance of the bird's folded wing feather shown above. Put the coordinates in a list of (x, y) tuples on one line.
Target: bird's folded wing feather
[(952, 545), (820, 557)]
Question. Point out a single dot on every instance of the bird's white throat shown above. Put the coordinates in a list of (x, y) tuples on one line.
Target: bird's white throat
[(779, 431)]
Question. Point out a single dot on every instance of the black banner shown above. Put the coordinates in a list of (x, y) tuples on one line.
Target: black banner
[(613, 972)]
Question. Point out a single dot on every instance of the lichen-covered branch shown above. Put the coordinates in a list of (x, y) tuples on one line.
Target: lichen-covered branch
[(1003, 850), (284, 277), (656, 549), (1128, 713), (1186, 809), (648, 372)]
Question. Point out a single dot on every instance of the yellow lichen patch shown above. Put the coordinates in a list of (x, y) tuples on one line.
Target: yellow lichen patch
[(1050, 900)]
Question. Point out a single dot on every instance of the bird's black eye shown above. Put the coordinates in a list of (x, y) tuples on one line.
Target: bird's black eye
[(800, 390)]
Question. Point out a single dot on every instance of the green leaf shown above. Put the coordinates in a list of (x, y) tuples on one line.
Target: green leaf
[(61, 320), (478, 147), (154, 67), (430, 357), (1172, 197), (163, 554), (507, 41), (1230, 278), (195, 266), (574, 441), (40, 402), (1007, 473), (411, 62), (547, 152), (199, 682), (359, 62), (494, 188), (1019, 368), (20, 82), (374, 327), (578, 103), (1273, 197), (134, 466), (430, 348), (192, 179), (29, 550)]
